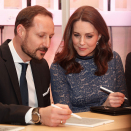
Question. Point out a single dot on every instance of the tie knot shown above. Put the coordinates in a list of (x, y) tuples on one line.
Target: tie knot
[(24, 66)]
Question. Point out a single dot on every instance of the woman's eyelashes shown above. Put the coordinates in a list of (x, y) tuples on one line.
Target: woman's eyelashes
[(87, 36), (41, 36), (76, 35)]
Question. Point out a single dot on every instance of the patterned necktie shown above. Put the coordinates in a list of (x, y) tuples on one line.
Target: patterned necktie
[(23, 84)]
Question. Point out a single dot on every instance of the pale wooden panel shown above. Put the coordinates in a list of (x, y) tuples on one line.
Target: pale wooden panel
[(122, 41), (121, 3), (13, 4), (77, 3), (46, 3)]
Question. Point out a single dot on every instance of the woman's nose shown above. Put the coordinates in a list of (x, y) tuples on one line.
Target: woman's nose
[(82, 41)]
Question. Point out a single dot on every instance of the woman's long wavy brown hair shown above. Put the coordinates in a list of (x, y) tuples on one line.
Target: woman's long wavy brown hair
[(103, 52)]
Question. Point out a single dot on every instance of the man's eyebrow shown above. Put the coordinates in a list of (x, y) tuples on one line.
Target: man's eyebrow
[(53, 34), (45, 33)]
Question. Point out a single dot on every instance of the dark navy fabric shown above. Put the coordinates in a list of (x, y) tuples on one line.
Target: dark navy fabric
[(82, 90), (23, 84)]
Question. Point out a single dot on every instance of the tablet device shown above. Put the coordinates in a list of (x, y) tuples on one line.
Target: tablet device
[(11, 128), (110, 110), (87, 122)]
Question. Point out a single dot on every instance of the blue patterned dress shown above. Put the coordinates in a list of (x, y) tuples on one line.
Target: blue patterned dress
[(82, 90)]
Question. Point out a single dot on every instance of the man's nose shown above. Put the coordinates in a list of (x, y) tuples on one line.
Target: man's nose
[(47, 42)]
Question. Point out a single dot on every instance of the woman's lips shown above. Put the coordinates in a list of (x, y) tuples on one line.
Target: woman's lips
[(82, 49)]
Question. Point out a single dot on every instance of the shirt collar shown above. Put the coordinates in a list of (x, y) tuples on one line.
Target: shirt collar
[(15, 56)]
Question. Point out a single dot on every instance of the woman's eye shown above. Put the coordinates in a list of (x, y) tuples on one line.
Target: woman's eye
[(76, 35), (89, 36)]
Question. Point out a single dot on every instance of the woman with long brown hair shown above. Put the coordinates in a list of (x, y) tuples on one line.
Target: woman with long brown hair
[(85, 63)]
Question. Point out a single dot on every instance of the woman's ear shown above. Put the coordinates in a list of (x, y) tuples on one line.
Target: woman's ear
[(99, 37)]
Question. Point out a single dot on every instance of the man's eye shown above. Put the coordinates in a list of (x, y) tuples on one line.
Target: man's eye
[(40, 35), (50, 37)]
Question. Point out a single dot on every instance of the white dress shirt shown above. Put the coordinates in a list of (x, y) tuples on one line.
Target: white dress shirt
[(30, 81)]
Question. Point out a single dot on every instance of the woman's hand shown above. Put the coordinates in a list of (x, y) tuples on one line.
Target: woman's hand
[(114, 99)]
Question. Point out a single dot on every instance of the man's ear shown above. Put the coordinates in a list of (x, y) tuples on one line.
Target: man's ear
[(21, 31)]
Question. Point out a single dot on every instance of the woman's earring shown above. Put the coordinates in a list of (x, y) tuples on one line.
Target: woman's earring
[(97, 43)]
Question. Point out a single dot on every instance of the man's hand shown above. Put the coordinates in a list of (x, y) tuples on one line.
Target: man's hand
[(114, 99), (51, 116)]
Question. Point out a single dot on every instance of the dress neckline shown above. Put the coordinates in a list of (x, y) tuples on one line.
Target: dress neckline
[(84, 57)]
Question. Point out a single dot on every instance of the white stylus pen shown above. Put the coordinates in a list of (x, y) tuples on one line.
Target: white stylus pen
[(71, 113), (109, 91)]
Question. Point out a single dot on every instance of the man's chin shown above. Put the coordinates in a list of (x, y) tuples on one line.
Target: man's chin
[(40, 57)]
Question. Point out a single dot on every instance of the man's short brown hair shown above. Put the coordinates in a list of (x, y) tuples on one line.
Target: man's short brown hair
[(26, 16)]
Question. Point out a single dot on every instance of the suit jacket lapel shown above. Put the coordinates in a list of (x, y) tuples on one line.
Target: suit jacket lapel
[(37, 81), (9, 63)]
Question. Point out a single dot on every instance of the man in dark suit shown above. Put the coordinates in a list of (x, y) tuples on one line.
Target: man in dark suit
[(128, 75), (19, 104)]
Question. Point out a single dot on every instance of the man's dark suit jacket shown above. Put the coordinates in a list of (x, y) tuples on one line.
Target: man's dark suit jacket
[(10, 90), (128, 75)]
